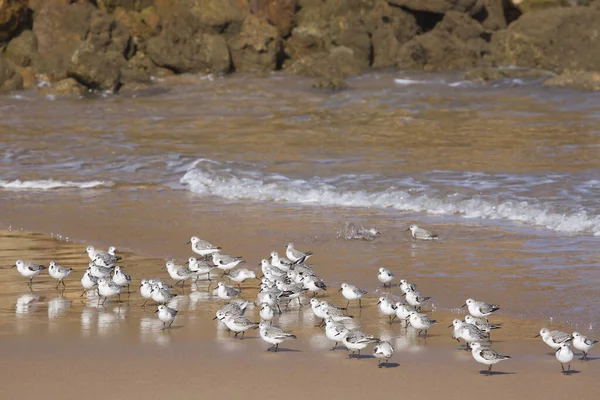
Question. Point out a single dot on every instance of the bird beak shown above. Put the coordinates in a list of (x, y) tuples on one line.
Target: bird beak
[(463, 306), (155, 311), (187, 262), (450, 326), (406, 230), (165, 267), (214, 318), (538, 335), (14, 266), (379, 302), (190, 242), (340, 289)]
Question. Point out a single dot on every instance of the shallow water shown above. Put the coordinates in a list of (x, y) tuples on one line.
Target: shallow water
[(507, 174)]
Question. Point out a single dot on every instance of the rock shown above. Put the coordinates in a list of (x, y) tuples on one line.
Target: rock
[(556, 40), (581, 80), (487, 74), (10, 79), (457, 42), (392, 28), (96, 70), (14, 16), (336, 63), (60, 30), (133, 5), (493, 17), (220, 16), (439, 6), (68, 87), (22, 49), (183, 47), (141, 25), (107, 34), (139, 69), (280, 13), (330, 83), (256, 47), (29, 79)]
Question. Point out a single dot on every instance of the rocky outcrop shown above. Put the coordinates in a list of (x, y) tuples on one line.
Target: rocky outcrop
[(280, 13), (22, 49), (14, 17), (487, 74), (96, 69), (556, 39), (440, 6), (141, 25), (65, 88), (582, 80), (133, 5), (457, 42), (10, 79), (257, 46)]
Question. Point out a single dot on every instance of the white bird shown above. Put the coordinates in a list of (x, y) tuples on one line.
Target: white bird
[(564, 355), (237, 324), (357, 340), (335, 331), (554, 339), (108, 258), (583, 343), (145, 291), (266, 312), (468, 332), (481, 323), (226, 263), (420, 321), (202, 247), (179, 273), (281, 262), (313, 284), (166, 315), (240, 275), (415, 298), (421, 234), (403, 312), (351, 292), (200, 267), (486, 356), (108, 289), (88, 281), (273, 335), (58, 272), (225, 292), (479, 308), (405, 286), (161, 296), (100, 271), (28, 269), (121, 278), (385, 276), (383, 350), (387, 307), (335, 313), (234, 308), (296, 255)]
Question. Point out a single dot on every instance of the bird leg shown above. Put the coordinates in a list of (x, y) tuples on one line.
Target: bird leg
[(82, 293), (347, 304), (359, 355), (57, 285), (334, 346), (144, 305), (276, 347), (359, 303), (489, 371), (171, 323), (299, 303)]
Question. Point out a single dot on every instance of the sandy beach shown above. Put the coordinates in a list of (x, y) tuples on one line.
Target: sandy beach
[(57, 342)]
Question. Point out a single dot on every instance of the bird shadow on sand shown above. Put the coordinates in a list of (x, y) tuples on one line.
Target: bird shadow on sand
[(571, 372), (389, 365), (589, 359), (361, 357), (485, 373)]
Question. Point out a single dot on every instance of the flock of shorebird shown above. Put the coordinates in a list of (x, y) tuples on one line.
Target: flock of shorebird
[(285, 279)]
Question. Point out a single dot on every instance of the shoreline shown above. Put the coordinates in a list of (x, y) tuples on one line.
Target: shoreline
[(126, 347)]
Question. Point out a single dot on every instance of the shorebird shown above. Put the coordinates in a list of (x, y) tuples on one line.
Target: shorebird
[(273, 335), (202, 247), (58, 272), (351, 292), (420, 321), (356, 341), (479, 308), (583, 343), (421, 234), (29, 270), (383, 350), (554, 339), (166, 315), (121, 278), (385, 276), (486, 356), (564, 355), (296, 255)]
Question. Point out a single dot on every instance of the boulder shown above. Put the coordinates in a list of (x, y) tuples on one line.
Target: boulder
[(439, 6), (256, 47), (139, 69), (141, 25), (10, 79), (335, 63), (581, 80), (330, 83), (14, 16), (60, 30), (106, 34), (492, 15), (555, 39), (29, 78), (457, 42), (68, 87), (182, 46), (133, 5), (220, 16), (280, 13), (391, 28), (95, 69), (22, 49)]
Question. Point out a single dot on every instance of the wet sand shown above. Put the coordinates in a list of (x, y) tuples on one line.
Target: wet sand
[(56, 343)]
